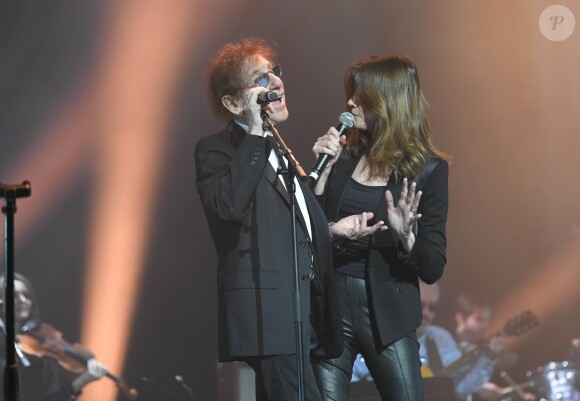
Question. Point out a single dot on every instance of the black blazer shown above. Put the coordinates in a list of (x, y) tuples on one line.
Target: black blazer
[(392, 274), (248, 212)]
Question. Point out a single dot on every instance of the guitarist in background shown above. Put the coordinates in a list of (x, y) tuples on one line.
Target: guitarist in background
[(472, 317), (439, 349)]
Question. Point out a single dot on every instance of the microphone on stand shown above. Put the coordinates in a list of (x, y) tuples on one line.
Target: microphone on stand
[(267, 97), (346, 121)]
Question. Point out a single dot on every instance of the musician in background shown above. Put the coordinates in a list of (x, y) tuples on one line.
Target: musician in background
[(472, 317), (439, 350), (40, 379)]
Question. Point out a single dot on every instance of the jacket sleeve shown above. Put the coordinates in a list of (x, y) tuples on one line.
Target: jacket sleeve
[(428, 256), (227, 178)]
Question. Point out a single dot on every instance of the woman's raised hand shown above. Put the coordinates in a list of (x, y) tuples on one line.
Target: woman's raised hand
[(404, 214)]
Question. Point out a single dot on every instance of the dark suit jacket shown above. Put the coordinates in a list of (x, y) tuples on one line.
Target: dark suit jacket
[(248, 212), (391, 273)]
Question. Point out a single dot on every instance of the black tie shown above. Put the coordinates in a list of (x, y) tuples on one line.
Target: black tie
[(281, 161)]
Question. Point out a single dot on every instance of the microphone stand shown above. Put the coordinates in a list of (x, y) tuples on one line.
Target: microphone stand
[(10, 193), (21, 357), (290, 172), (294, 164)]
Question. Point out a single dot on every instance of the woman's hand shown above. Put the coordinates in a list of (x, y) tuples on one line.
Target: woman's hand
[(404, 214), (355, 227), (331, 144)]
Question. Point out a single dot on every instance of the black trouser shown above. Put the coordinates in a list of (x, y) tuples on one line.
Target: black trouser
[(276, 376), (276, 379), (396, 369)]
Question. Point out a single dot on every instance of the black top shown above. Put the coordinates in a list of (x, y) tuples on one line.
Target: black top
[(391, 273), (357, 198)]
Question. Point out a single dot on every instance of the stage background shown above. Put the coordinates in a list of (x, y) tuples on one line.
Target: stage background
[(102, 102)]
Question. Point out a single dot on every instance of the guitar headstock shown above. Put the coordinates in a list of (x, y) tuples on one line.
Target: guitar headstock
[(520, 324)]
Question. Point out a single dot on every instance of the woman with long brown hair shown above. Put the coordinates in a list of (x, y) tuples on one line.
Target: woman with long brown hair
[(390, 166)]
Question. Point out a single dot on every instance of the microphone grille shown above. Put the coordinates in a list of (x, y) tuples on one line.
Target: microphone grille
[(271, 96), (347, 119)]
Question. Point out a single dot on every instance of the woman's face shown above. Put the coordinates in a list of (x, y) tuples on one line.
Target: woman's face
[(22, 301), (356, 108)]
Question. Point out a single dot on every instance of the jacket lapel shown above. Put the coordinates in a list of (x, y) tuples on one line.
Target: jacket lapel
[(237, 135), (275, 181)]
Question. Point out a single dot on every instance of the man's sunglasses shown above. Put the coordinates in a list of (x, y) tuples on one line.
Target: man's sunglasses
[(263, 80)]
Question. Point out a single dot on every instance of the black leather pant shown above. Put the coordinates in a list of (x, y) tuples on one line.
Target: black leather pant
[(396, 369)]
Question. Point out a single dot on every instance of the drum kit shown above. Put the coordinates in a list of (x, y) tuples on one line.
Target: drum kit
[(555, 381)]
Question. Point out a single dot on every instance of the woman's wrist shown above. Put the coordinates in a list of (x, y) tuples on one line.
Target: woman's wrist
[(336, 239), (321, 182), (330, 224), (407, 240)]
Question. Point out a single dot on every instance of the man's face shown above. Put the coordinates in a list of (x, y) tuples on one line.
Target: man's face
[(429, 302), (256, 67), (472, 328)]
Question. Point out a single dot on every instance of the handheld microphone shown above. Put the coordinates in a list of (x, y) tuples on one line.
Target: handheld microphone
[(346, 121), (267, 97)]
